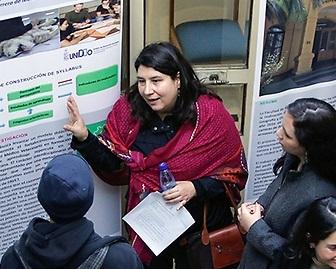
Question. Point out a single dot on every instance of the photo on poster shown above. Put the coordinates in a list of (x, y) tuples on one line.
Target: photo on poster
[(15, 8), (299, 45), (29, 34), (298, 66), (84, 22)]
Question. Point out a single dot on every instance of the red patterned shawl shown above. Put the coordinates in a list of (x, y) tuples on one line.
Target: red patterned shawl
[(210, 148)]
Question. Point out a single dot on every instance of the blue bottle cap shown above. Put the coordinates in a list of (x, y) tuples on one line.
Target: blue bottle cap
[(163, 166)]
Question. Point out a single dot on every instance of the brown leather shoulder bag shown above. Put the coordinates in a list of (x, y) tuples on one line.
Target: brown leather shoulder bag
[(226, 244)]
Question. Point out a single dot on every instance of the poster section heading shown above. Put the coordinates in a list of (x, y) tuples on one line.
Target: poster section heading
[(42, 96)]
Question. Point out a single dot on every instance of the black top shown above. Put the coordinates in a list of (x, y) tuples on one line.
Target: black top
[(13, 27), (150, 138), (67, 33), (103, 10)]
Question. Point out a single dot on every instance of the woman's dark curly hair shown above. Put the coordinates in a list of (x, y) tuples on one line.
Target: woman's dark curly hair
[(315, 130), (314, 224), (167, 59)]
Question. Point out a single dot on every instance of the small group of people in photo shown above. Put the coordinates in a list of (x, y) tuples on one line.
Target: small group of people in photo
[(21, 36), (81, 23), (169, 116)]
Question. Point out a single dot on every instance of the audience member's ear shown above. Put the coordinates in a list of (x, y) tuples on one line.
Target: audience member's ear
[(308, 237)]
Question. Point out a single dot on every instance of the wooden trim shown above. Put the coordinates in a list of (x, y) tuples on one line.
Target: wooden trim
[(236, 10), (173, 38), (171, 17)]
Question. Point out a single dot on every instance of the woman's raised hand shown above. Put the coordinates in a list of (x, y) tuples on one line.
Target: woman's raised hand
[(76, 123)]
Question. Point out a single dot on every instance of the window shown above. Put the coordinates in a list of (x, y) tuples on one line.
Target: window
[(273, 45)]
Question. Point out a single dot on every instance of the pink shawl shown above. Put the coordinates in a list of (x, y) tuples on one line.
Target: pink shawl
[(212, 147)]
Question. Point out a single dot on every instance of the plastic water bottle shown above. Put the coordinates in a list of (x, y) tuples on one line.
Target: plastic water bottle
[(167, 180)]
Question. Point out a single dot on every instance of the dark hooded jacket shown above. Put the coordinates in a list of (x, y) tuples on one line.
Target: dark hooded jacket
[(55, 246)]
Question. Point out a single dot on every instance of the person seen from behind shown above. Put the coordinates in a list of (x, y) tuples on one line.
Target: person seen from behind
[(68, 239)]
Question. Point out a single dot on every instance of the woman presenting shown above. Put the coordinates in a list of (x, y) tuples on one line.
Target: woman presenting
[(168, 116)]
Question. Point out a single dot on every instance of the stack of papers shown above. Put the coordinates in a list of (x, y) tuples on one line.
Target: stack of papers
[(157, 223)]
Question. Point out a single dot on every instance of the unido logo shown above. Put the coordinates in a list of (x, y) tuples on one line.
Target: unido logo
[(78, 54), (66, 55)]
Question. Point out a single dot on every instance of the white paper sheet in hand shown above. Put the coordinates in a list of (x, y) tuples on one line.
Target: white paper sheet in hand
[(157, 223)]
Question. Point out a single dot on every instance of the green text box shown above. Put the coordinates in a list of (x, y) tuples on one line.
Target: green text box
[(97, 81), (31, 118), (29, 92), (30, 103), (97, 127)]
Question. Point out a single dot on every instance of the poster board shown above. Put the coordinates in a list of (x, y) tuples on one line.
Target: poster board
[(39, 73), (294, 61)]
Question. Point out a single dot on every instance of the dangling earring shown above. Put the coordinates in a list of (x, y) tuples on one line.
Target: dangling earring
[(306, 157), (178, 84), (308, 238)]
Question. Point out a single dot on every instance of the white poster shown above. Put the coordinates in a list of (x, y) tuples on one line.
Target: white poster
[(41, 67), (12, 8), (264, 148), (297, 60)]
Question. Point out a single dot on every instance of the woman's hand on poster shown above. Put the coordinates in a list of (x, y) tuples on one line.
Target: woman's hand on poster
[(248, 214), (181, 193), (76, 123)]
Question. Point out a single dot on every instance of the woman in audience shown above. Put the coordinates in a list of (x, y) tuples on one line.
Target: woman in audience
[(307, 173), (313, 243)]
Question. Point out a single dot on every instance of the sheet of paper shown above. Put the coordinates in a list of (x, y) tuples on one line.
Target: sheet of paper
[(157, 223)]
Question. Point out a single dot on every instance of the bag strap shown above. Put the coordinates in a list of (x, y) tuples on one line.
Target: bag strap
[(96, 259), (229, 192), (19, 254), (205, 233)]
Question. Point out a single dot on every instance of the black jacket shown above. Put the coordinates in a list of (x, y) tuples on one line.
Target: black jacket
[(55, 246), (13, 27), (283, 201)]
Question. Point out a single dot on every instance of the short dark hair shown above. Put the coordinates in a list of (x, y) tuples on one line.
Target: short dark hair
[(315, 224), (321, 219), (167, 59), (315, 130), (62, 20)]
